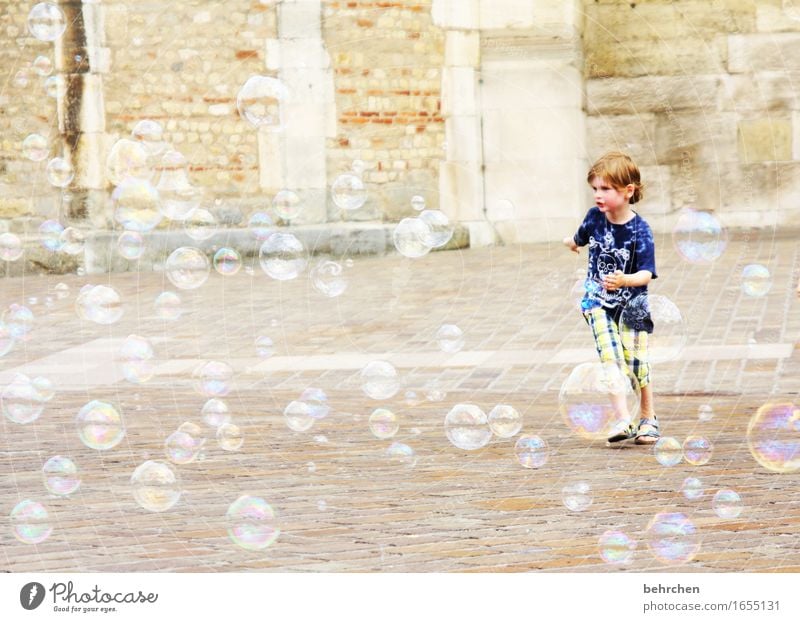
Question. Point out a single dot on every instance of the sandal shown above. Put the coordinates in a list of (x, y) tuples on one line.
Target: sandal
[(648, 433), (628, 433)]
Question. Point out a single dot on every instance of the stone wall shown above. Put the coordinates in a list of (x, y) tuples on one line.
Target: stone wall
[(704, 96)]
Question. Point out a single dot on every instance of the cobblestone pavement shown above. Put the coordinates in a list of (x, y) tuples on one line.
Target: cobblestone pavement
[(342, 505)]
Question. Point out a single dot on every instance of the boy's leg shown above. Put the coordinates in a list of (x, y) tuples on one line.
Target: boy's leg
[(634, 345)]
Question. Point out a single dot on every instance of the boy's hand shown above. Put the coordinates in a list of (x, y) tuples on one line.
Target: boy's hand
[(615, 281), (570, 244)]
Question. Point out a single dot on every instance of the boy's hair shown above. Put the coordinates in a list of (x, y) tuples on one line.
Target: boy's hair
[(619, 170)]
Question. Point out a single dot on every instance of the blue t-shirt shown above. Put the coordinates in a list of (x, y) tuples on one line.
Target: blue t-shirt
[(628, 247)]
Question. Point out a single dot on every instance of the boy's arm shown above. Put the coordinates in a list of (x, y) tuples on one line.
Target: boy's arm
[(569, 242), (618, 280)]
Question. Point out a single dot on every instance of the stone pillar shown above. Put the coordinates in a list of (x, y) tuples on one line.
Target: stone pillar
[(81, 61), (295, 158), (513, 100)]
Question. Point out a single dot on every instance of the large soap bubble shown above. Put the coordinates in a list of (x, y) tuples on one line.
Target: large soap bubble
[(252, 523), (155, 486), (260, 101), (669, 337), (187, 267), (136, 204), (282, 256), (100, 425), (411, 237), (699, 237), (30, 522), (672, 538), (348, 192), (773, 437), (127, 158), (46, 21), (379, 380), (467, 427), (100, 304)]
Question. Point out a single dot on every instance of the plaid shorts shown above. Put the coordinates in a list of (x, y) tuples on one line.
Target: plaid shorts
[(619, 343)]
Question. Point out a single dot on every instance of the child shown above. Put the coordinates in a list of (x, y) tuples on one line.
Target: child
[(621, 264)]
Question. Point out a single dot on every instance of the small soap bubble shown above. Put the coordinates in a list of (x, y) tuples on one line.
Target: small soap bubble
[(358, 167), (59, 172), (21, 402), (692, 488), (61, 476), (230, 437), (668, 451), (287, 205), (317, 402), (52, 85), (136, 204), (265, 348), (177, 196), (756, 280), (321, 439), (227, 261), (379, 380), (30, 522), (434, 391), (418, 203), (697, 450), (10, 247), (261, 225), (168, 306), (200, 224), (326, 278), (128, 159), (699, 237), (532, 451), (61, 290), (705, 413), (440, 231), (401, 455), (616, 547), (35, 147), (100, 425), (46, 21), (155, 486), (773, 437), (383, 423), (213, 379), (260, 101), (99, 304), (187, 268), (727, 504), (282, 256), (348, 192), (410, 238), (252, 523), (215, 413), (21, 78), (130, 244), (7, 340), (19, 321), (182, 448), (668, 342), (450, 338), (577, 496), (672, 538), (72, 241), (50, 235), (297, 416), (151, 135), (467, 427), (505, 421), (322, 505), (312, 468)]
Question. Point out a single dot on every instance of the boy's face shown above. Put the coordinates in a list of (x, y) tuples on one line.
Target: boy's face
[(607, 197)]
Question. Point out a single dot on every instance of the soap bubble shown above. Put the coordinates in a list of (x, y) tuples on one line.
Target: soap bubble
[(30, 522), (187, 268), (697, 450), (227, 261), (317, 402), (21, 402), (410, 238), (402, 455), (379, 380), (59, 172), (136, 204), (42, 65), (44, 388), (130, 245), (21, 78), (61, 290), (260, 102), (773, 437), (417, 203), (10, 247), (182, 447), (252, 523), (177, 196), (230, 437), (668, 451), (504, 421), (348, 192), (151, 136), (99, 304), (597, 400), (18, 319), (326, 278), (265, 348), (440, 231), (168, 306), (297, 416), (72, 241), (669, 338), (46, 22), (200, 224), (532, 451), (126, 159), (282, 256), (727, 504), (52, 84), (61, 476), (756, 280), (358, 167), (699, 237), (672, 538), (692, 488), (50, 235), (467, 427), (155, 486), (261, 225), (35, 147), (287, 205), (577, 496), (100, 425), (7, 340), (137, 354), (383, 423), (450, 338), (705, 413), (215, 413), (213, 379), (616, 547)]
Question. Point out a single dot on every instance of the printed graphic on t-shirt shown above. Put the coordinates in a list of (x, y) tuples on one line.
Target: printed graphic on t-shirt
[(609, 260)]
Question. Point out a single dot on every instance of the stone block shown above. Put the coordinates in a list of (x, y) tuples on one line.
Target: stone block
[(633, 134), (519, 134), (658, 191), (462, 48), (461, 190), (700, 137), (796, 135), (763, 90), (92, 116), (546, 12), (299, 20), (778, 16), (506, 14), (309, 85), (764, 140), (748, 53), (456, 14), (89, 161), (463, 136), (652, 94), (530, 84), (303, 54), (521, 231), (459, 91)]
